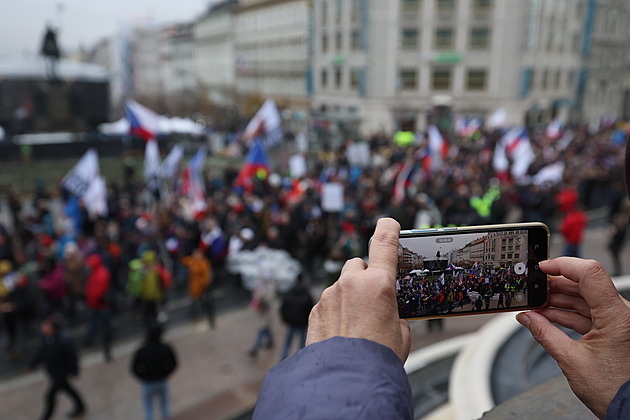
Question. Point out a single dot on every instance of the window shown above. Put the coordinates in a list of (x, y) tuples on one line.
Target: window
[(441, 79), (324, 78), (337, 78), (479, 38), (410, 6), (324, 10), (481, 5), (409, 39), (338, 40), (443, 38), (476, 79), (445, 5), (556, 79), (355, 40), (544, 79), (571, 79), (354, 78), (356, 10), (324, 43), (408, 79), (532, 78), (338, 11)]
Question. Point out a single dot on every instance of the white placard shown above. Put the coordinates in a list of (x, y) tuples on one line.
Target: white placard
[(297, 166), (332, 197)]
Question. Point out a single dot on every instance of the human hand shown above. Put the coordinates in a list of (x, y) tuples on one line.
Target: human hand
[(583, 298), (362, 303)]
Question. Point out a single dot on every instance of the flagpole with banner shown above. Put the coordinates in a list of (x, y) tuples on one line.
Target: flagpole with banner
[(85, 182)]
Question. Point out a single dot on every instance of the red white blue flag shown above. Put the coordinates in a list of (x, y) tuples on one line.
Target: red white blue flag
[(437, 150), (514, 153), (256, 164), (193, 183), (143, 122), (265, 126)]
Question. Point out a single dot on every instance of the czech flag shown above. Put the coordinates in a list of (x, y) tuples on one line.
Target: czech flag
[(143, 122), (437, 150), (256, 164), (193, 184)]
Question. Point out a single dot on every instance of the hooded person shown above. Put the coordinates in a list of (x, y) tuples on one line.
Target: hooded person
[(155, 281), (152, 364)]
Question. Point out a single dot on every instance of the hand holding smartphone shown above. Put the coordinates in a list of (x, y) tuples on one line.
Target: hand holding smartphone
[(471, 270)]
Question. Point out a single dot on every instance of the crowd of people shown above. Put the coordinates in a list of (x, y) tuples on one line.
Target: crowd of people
[(457, 290), (55, 258)]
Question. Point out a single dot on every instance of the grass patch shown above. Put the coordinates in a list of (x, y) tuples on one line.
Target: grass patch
[(24, 177)]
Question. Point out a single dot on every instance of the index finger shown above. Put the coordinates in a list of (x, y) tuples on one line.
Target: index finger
[(595, 285), (383, 253)]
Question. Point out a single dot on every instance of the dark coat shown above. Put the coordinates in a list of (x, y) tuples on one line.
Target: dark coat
[(296, 307), (59, 357), (154, 361)]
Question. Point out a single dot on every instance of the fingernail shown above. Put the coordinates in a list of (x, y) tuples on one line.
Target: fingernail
[(544, 262), (523, 319)]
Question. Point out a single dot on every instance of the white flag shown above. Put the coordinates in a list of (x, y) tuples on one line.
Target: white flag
[(95, 198), (266, 124), (82, 174), (151, 164), (170, 164)]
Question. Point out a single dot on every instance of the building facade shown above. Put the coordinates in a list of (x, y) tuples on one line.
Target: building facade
[(391, 63), (606, 61), (215, 62), (271, 43)]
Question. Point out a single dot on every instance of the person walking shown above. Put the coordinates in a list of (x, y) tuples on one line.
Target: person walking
[(295, 308), (59, 357), (261, 304), (152, 364)]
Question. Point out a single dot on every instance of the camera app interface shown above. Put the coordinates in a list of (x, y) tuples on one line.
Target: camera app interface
[(462, 273)]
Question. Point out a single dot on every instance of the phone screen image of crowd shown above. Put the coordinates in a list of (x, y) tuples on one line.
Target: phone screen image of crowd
[(467, 273)]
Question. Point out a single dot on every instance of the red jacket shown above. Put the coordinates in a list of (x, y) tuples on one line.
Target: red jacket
[(97, 283), (572, 226)]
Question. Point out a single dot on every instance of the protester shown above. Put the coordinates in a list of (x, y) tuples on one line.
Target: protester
[(261, 305), (572, 228), (72, 262), (59, 357), (155, 282), (97, 289), (152, 364), (295, 309), (199, 278)]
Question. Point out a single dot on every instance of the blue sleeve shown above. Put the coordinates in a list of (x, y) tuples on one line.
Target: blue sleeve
[(340, 378), (619, 407)]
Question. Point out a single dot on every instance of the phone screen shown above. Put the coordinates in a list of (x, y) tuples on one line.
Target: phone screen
[(460, 271)]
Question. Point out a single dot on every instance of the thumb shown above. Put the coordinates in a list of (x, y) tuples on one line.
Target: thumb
[(550, 337)]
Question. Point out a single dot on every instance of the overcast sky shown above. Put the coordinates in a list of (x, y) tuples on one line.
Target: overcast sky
[(428, 247), (83, 22)]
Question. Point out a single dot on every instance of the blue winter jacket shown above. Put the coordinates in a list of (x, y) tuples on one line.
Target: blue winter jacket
[(619, 407), (340, 378)]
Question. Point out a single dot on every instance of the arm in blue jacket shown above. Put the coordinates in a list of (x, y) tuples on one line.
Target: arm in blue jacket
[(619, 407), (339, 378)]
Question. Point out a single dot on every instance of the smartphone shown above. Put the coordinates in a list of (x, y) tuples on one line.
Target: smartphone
[(457, 271)]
